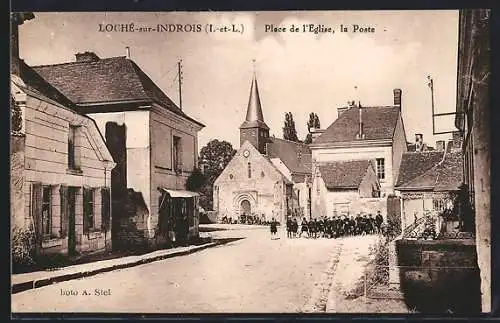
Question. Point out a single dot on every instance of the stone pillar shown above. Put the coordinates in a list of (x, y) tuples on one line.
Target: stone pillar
[(482, 183), (394, 278)]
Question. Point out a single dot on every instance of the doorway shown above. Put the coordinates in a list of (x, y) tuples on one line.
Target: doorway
[(245, 208)]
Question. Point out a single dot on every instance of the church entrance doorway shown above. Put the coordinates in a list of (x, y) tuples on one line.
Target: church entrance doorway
[(245, 208)]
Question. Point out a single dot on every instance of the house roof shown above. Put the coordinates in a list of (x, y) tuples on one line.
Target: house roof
[(107, 80), (415, 164), (379, 123), (431, 170), (344, 174), (38, 84), (296, 156)]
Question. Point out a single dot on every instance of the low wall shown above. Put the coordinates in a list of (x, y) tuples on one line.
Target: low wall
[(439, 275)]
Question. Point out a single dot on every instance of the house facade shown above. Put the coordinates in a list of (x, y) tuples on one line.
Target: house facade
[(374, 134), (152, 140), (473, 120), (340, 185), (429, 182), (61, 169), (268, 177)]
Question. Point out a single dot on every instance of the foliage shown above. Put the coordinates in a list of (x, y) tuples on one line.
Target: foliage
[(214, 157), (393, 228), (195, 181), (16, 116), (312, 123), (289, 131), (380, 274), (23, 247)]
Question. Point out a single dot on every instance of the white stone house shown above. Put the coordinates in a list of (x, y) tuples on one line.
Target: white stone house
[(154, 143), (373, 134)]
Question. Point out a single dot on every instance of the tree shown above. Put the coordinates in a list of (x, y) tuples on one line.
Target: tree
[(312, 123), (214, 157), (289, 131), (195, 181)]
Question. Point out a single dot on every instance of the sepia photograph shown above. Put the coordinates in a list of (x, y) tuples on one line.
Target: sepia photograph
[(300, 162)]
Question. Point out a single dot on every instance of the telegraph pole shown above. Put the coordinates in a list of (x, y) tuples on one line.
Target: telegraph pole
[(179, 76), (431, 86)]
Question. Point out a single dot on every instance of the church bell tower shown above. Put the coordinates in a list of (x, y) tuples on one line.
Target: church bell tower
[(254, 129)]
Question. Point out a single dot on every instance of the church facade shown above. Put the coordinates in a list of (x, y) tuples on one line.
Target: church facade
[(268, 177)]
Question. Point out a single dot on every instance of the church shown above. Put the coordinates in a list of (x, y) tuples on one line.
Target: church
[(267, 177)]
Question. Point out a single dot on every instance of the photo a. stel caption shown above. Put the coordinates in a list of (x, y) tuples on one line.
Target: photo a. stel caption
[(318, 28)]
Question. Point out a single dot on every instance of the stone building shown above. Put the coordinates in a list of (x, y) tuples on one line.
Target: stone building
[(473, 120), (341, 184), (153, 141), (268, 177), (60, 167), (429, 181), (374, 134)]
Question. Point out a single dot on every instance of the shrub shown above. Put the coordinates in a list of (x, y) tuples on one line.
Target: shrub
[(380, 274), (23, 248)]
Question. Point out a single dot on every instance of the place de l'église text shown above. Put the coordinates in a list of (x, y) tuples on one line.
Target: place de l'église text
[(318, 28)]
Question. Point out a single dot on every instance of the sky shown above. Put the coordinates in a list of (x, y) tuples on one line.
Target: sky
[(298, 72)]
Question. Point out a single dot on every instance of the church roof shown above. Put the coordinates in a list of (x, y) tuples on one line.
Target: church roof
[(379, 123), (295, 155), (254, 117), (103, 81), (344, 174)]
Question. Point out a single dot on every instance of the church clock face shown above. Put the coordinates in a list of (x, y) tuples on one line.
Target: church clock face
[(246, 153)]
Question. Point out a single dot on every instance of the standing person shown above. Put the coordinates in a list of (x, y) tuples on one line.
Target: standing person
[(274, 228), (378, 221), (289, 230), (295, 227), (371, 225), (304, 228)]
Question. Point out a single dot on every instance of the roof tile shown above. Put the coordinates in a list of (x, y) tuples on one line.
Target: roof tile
[(344, 174)]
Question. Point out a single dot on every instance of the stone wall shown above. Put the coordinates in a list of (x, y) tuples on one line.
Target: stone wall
[(439, 275), (17, 202)]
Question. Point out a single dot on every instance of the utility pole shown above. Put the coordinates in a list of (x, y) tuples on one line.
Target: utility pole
[(431, 86), (179, 76)]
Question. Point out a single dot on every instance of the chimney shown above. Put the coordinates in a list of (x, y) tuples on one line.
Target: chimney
[(397, 97), (341, 110), (127, 52), (315, 133), (87, 57), (440, 145), (360, 135), (419, 141)]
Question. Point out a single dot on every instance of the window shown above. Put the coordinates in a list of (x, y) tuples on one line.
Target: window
[(249, 170), (46, 211), (88, 210), (73, 160), (380, 168), (438, 204), (176, 154)]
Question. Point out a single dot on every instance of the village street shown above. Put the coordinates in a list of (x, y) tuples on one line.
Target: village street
[(254, 274)]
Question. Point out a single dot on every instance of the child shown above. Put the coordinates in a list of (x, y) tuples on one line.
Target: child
[(274, 228)]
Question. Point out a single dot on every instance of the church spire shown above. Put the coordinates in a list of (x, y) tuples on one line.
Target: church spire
[(254, 117), (254, 129)]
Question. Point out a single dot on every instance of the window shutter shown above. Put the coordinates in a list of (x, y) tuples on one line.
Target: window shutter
[(180, 155), (36, 212), (105, 211), (63, 192), (85, 210)]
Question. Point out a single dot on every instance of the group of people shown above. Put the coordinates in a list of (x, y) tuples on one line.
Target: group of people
[(336, 226)]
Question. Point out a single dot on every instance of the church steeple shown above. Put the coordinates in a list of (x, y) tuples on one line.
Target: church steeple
[(254, 129)]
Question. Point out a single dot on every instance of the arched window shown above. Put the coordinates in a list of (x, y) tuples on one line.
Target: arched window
[(249, 170)]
